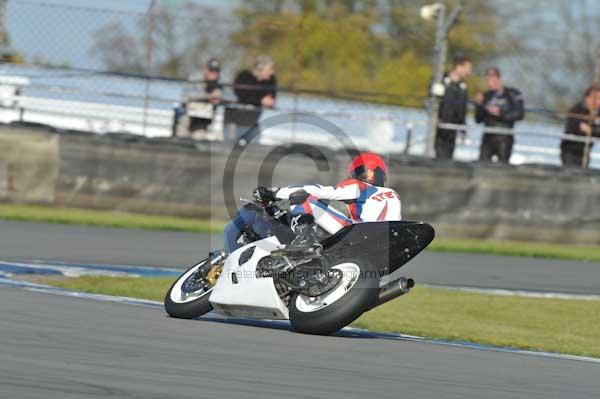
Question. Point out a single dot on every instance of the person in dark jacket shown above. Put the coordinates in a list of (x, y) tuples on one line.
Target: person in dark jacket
[(453, 106), (501, 107), (583, 120), (256, 87), (212, 87), (211, 90)]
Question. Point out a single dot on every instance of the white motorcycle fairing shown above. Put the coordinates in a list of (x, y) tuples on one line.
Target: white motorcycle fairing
[(239, 293)]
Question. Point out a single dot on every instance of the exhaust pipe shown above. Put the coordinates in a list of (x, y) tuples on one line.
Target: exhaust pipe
[(395, 289)]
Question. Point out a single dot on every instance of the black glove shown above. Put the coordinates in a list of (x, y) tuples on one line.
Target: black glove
[(298, 197), (263, 195)]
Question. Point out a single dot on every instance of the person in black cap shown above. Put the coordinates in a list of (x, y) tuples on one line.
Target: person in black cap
[(212, 87), (212, 92)]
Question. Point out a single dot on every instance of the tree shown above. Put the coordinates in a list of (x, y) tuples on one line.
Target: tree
[(350, 47), (179, 40), (7, 53), (558, 53), (118, 49)]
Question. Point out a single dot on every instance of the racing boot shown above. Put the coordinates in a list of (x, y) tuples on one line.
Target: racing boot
[(306, 243)]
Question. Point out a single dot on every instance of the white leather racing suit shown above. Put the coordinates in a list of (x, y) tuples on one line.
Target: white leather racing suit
[(365, 202)]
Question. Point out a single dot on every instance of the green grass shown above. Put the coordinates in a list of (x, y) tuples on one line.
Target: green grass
[(555, 325), (87, 217), (516, 248), (152, 288)]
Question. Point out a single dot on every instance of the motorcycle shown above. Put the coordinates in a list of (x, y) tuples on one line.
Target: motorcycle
[(318, 293)]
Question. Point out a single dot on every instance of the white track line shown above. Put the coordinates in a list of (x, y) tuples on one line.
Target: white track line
[(350, 330), (520, 293)]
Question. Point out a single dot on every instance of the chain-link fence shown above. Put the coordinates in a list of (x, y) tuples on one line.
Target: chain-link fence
[(363, 65)]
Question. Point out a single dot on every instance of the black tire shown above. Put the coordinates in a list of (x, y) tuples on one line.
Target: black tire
[(188, 310), (361, 297)]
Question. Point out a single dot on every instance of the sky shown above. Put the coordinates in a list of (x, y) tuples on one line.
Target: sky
[(62, 31), (129, 5)]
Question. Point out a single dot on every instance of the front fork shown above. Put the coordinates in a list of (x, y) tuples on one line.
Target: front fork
[(214, 267)]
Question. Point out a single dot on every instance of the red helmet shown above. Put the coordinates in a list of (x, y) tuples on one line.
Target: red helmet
[(369, 167)]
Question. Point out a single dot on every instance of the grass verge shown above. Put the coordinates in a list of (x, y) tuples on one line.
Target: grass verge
[(555, 325), (87, 217), (517, 248), (152, 288)]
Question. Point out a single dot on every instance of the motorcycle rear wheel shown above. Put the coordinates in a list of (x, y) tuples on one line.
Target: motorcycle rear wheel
[(323, 315)]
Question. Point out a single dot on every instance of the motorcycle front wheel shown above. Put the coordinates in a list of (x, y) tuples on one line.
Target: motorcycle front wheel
[(188, 296), (355, 293)]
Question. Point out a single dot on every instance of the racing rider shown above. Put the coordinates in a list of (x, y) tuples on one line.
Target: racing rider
[(364, 192)]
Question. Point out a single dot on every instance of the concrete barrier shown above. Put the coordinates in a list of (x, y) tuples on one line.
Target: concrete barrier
[(531, 203), (534, 203), (29, 165)]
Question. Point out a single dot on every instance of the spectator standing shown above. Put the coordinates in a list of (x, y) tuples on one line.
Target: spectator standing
[(453, 105), (500, 106), (257, 88), (583, 120), (212, 86), (210, 90)]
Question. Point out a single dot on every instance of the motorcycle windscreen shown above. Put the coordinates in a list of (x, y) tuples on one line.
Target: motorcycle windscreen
[(386, 245)]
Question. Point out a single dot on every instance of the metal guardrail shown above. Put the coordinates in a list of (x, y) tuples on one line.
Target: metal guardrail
[(126, 114), (101, 118), (511, 132), (81, 115)]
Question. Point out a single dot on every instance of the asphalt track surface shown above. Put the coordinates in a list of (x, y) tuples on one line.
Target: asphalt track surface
[(48, 242), (61, 347)]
